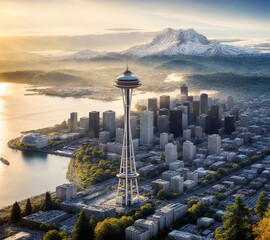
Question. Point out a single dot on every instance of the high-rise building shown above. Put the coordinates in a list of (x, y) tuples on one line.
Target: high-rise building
[(190, 98), (214, 144), (204, 103), (229, 102), (119, 135), (163, 123), (93, 124), (84, 123), (184, 116), (176, 122), (133, 125), (109, 122), (205, 123), (184, 90), (164, 138), (152, 106), (170, 153), (189, 151), (164, 102), (187, 134), (189, 111), (177, 184), (146, 128), (244, 120), (196, 110), (235, 113), (229, 124), (73, 121), (215, 120), (128, 190), (198, 132)]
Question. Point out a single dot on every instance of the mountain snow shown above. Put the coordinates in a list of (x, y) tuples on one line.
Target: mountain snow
[(175, 42), (187, 42)]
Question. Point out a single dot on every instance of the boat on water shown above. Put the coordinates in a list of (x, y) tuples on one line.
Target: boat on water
[(5, 161)]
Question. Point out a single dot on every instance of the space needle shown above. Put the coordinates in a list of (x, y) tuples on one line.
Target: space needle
[(128, 190)]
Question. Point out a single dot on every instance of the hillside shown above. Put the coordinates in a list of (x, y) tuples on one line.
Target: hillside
[(185, 65), (52, 78), (253, 85)]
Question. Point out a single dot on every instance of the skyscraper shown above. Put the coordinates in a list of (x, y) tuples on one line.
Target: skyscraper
[(215, 120), (163, 123), (184, 90), (176, 122), (146, 128), (229, 124), (196, 110), (93, 124), (205, 123), (128, 190), (189, 151), (204, 103), (73, 121), (152, 106), (214, 144), (109, 122), (164, 101)]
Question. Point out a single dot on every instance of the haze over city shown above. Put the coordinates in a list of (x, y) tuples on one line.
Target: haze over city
[(132, 120)]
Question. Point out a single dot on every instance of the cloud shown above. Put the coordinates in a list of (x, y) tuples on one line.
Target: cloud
[(226, 40), (264, 45), (122, 29)]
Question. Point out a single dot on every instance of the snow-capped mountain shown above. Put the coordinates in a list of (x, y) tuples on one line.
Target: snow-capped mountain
[(187, 42), (86, 54)]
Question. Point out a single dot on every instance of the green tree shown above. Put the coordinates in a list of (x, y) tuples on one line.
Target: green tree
[(55, 235), (112, 228), (48, 204), (92, 223), (82, 229), (15, 216), (28, 208), (236, 224), (261, 206)]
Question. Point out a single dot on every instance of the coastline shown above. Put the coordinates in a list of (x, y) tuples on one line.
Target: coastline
[(12, 146), (5, 209)]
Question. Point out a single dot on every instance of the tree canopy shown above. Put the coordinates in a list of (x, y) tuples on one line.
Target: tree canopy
[(236, 223), (82, 229), (55, 235), (15, 216), (27, 208), (262, 204), (112, 228)]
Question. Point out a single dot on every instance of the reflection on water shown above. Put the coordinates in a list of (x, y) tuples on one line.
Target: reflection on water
[(32, 156)]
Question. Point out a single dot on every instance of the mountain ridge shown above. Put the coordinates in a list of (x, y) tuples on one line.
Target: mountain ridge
[(186, 42)]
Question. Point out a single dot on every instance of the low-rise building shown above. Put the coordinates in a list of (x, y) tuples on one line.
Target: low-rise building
[(66, 191), (205, 221)]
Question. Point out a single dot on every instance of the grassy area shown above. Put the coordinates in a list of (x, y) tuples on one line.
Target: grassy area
[(53, 131)]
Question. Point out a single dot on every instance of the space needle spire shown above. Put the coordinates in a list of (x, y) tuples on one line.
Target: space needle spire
[(128, 190)]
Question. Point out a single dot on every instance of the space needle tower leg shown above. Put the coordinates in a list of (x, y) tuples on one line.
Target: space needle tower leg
[(127, 185)]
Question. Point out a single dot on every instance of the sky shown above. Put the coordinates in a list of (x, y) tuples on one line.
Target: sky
[(214, 18)]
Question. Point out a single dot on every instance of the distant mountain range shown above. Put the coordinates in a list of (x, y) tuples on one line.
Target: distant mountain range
[(176, 42)]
